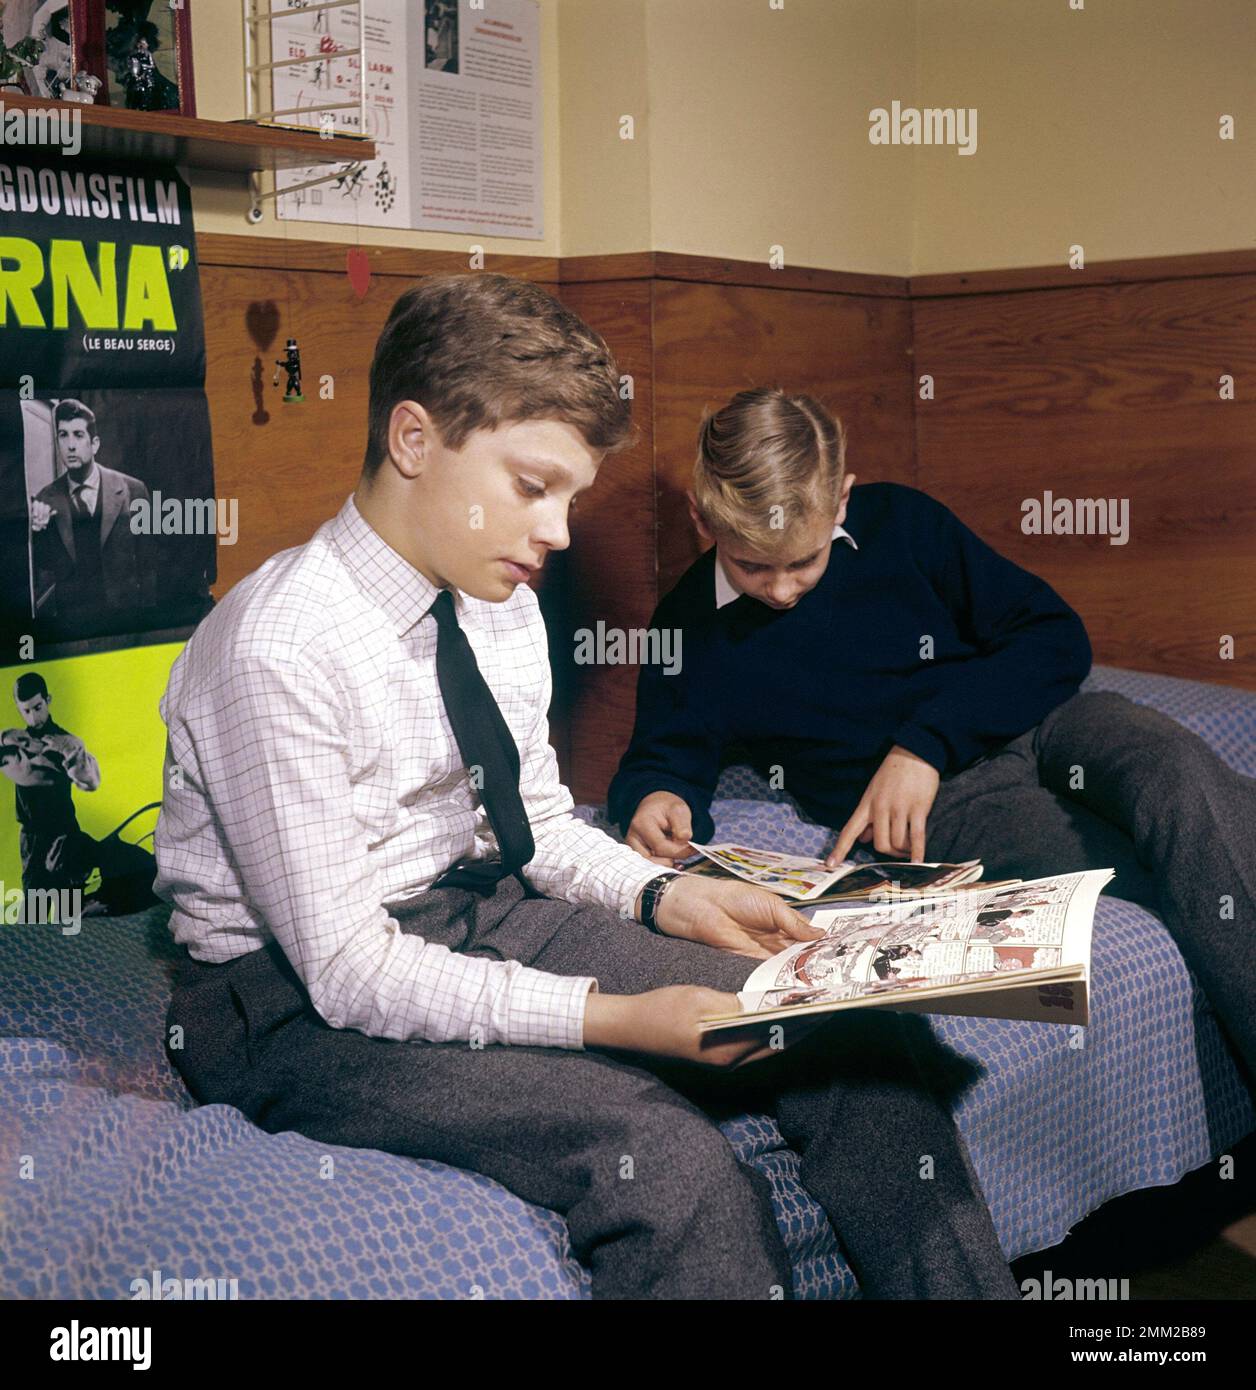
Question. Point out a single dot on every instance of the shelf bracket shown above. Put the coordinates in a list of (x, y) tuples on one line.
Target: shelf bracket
[(257, 197)]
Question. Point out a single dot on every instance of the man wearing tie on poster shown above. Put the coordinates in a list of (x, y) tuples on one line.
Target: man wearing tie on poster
[(88, 562)]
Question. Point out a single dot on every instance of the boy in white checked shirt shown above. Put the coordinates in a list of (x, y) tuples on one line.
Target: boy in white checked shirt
[(399, 937)]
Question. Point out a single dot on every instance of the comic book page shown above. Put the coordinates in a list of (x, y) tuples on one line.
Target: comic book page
[(804, 879), (970, 948), (791, 875)]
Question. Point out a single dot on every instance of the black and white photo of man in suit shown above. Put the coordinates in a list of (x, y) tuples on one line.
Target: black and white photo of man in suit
[(88, 562)]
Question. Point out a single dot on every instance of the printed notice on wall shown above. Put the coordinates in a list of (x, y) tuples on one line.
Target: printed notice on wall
[(452, 103)]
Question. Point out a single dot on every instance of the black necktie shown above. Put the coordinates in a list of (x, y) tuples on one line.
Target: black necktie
[(485, 742)]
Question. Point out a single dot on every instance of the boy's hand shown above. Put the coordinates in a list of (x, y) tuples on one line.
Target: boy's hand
[(664, 1023), (732, 916), (893, 811), (661, 828)]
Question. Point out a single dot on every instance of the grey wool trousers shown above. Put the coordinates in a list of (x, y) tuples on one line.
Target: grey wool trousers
[(1104, 782), (863, 1099)]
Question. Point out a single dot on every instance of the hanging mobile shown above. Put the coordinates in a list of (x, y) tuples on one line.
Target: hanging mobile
[(292, 365)]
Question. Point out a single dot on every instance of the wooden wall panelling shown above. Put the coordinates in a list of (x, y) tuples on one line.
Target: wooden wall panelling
[(291, 466), (1112, 391), (1197, 266), (610, 571)]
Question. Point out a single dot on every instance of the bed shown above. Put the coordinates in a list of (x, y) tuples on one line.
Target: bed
[(111, 1173)]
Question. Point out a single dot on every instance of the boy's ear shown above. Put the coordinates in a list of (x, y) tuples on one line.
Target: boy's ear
[(696, 517), (844, 498), (409, 431)]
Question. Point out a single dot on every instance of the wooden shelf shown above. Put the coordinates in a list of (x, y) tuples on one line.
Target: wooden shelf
[(165, 137)]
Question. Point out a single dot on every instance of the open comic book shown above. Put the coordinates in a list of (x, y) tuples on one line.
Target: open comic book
[(807, 880), (996, 952)]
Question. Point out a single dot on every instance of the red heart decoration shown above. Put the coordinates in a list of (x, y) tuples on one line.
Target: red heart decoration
[(358, 268)]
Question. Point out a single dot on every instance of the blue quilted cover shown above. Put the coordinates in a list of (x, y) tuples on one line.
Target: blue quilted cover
[(109, 1171)]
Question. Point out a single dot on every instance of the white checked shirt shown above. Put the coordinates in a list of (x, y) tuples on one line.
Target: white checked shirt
[(320, 781)]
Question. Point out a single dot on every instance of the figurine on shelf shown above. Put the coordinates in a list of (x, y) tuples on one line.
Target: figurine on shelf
[(141, 78), (84, 89), (292, 365), (147, 87), (61, 81)]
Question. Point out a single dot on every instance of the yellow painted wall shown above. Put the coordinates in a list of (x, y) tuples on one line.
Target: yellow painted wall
[(1097, 127), (760, 130), (603, 65)]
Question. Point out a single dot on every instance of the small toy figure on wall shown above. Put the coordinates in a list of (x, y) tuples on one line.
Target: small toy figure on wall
[(291, 363)]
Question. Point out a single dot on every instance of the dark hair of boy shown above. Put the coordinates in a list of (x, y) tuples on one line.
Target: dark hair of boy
[(480, 350)]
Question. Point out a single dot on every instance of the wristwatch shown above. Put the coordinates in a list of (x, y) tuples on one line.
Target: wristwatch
[(650, 896)]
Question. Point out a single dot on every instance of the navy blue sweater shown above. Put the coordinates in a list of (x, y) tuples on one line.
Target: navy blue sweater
[(825, 689)]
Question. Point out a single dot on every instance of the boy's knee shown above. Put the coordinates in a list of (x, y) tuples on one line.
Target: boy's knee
[(682, 1167), (710, 1234), (1100, 705), (697, 1193), (1109, 722)]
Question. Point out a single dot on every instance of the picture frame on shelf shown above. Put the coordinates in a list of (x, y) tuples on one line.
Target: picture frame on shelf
[(141, 50)]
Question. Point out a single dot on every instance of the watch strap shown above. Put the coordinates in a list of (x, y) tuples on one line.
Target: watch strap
[(650, 896)]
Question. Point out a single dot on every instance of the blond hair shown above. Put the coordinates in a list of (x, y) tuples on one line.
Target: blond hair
[(766, 462)]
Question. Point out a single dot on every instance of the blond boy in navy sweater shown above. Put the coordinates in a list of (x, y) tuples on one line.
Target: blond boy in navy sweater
[(919, 693)]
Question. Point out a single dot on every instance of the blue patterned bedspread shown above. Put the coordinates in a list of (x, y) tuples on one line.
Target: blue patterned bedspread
[(109, 1171)]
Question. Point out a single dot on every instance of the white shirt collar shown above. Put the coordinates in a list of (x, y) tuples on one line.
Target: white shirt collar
[(385, 577), (93, 480), (724, 590)]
